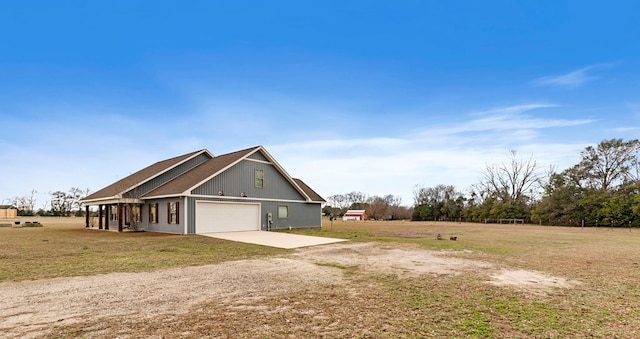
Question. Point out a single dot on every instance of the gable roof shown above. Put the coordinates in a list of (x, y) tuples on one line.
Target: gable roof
[(125, 184), (183, 184), (7, 207), (187, 181)]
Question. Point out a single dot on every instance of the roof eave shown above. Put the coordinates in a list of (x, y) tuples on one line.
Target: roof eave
[(112, 200)]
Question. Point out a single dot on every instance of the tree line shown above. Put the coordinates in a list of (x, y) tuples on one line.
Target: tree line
[(388, 207), (61, 203), (602, 189)]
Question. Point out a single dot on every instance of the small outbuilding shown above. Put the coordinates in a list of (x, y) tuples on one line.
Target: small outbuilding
[(355, 215), (198, 192), (8, 212)]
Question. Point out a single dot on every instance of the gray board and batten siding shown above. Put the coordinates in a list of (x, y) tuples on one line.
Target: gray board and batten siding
[(258, 156), (234, 181), (277, 191), (167, 176), (163, 224)]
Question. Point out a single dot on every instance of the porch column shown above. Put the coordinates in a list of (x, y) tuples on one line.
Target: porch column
[(86, 216), (99, 217), (107, 211), (119, 218)]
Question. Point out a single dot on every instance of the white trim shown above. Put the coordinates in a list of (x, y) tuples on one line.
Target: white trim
[(225, 197), (185, 212), (165, 196), (260, 161), (226, 202), (95, 202), (98, 200)]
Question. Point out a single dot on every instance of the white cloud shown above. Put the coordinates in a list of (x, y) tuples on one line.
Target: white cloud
[(570, 80), (443, 154), (65, 155), (513, 118)]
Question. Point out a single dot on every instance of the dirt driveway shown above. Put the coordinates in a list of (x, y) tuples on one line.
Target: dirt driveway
[(35, 308)]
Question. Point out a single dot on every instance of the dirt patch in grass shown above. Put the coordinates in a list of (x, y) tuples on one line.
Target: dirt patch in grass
[(408, 260), (235, 288), (532, 281)]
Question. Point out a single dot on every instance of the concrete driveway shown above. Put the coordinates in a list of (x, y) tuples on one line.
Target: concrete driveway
[(274, 239)]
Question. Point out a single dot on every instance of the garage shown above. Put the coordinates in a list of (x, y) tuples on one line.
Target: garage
[(227, 217)]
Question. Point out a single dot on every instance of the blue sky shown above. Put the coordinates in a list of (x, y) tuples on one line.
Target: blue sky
[(371, 96)]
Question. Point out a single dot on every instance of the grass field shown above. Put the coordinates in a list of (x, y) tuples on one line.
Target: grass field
[(604, 265), (63, 248)]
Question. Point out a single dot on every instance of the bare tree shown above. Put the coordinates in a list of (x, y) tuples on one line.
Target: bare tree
[(377, 208), (512, 180), (634, 172), (30, 202), (356, 200), (61, 203), (76, 194), (20, 204), (339, 202), (395, 207)]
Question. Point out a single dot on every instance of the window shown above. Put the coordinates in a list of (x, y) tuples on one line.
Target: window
[(259, 175), (283, 212), (173, 210), (113, 212), (153, 213)]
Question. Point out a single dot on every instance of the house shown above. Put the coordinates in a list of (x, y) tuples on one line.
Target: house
[(8, 212), (355, 215), (201, 193)]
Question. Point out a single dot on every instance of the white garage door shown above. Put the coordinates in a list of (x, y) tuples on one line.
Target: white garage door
[(226, 217)]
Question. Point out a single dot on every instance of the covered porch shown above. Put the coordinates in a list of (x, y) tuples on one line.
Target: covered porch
[(121, 213)]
